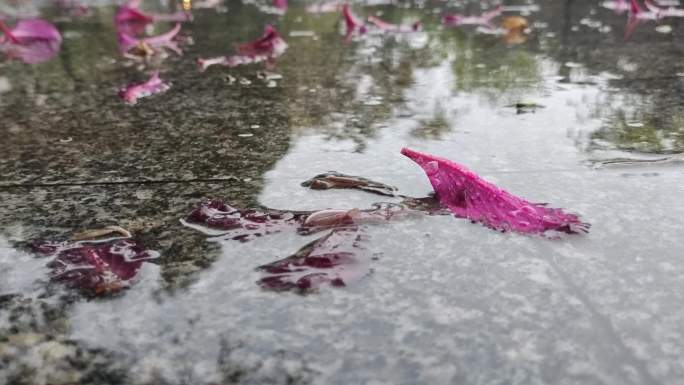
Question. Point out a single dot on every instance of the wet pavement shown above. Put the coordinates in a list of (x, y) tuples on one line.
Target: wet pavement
[(576, 116)]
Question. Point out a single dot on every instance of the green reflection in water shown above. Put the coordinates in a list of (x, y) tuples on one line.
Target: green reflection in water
[(322, 76), (642, 132)]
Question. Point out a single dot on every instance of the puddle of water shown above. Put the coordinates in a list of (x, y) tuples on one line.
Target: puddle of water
[(445, 301)]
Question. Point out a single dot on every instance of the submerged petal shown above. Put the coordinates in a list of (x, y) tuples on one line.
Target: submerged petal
[(469, 196), (336, 259), (214, 217), (96, 267)]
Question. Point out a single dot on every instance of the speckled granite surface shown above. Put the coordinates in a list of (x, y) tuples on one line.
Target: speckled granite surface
[(446, 301)]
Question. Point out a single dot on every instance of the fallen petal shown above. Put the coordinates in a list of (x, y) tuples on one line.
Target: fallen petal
[(154, 85), (214, 217), (385, 26), (132, 14), (128, 14), (469, 196), (331, 218), (31, 41), (483, 20), (96, 268), (280, 4), (335, 180), (127, 42), (335, 259), (268, 47), (352, 23)]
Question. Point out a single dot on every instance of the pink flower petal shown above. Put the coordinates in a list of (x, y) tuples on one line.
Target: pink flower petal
[(637, 12), (127, 14), (336, 259), (96, 267), (165, 40), (280, 4), (154, 85), (385, 26), (129, 19), (336, 180), (636, 16), (131, 14), (266, 44), (469, 196), (214, 217), (483, 20), (32, 41), (268, 47), (352, 23)]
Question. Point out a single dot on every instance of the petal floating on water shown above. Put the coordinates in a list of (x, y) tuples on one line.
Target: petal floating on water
[(96, 267), (336, 259), (469, 196), (214, 217)]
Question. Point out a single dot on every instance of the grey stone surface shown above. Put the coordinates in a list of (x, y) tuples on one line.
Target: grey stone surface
[(447, 301)]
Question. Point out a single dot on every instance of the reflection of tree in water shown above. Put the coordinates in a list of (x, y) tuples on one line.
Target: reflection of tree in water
[(648, 121), (648, 118), (642, 131), (435, 127), (345, 90), (641, 115), (486, 66)]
